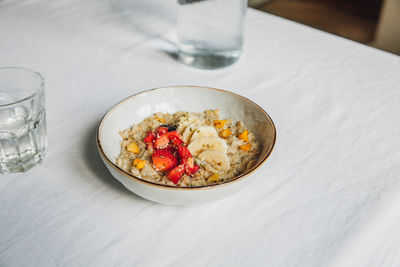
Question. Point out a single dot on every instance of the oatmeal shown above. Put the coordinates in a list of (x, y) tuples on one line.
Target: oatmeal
[(187, 149)]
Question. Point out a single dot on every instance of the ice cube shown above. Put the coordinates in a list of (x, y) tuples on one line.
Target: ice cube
[(12, 116)]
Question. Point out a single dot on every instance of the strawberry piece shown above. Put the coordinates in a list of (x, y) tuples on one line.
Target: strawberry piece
[(193, 170), (164, 160), (161, 142), (187, 160), (176, 173), (175, 138), (184, 153), (173, 151), (161, 130), (149, 137), (150, 146), (149, 140)]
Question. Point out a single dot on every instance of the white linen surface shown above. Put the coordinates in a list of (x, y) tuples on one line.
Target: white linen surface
[(328, 196)]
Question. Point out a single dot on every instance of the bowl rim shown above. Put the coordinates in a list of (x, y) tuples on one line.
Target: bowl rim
[(202, 187)]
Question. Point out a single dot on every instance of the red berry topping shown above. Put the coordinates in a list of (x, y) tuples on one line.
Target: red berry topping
[(175, 138), (193, 170), (176, 173), (161, 130), (164, 160), (184, 153), (187, 159), (168, 148), (150, 137), (150, 146), (161, 142)]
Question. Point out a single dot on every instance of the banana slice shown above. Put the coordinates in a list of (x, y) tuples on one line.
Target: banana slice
[(207, 143), (218, 159), (190, 129), (185, 121), (205, 131)]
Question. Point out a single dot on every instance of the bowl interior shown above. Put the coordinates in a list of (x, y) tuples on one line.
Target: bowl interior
[(183, 98)]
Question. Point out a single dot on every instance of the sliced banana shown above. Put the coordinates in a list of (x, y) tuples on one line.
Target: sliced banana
[(207, 143), (205, 131), (185, 121), (218, 159), (190, 129)]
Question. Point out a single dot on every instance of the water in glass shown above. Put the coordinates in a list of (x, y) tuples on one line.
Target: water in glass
[(210, 32), (22, 122)]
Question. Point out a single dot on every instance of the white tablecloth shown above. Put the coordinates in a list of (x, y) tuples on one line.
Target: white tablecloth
[(328, 196)]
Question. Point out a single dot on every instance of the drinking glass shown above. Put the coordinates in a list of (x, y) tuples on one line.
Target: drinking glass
[(210, 32), (22, 119)]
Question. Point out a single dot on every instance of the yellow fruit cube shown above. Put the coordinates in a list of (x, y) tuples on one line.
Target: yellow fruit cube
[(139, 163), (245, 147), (225, 133), (133, 147), (213, 178), (220, 123), (244, 136), (160, 119)]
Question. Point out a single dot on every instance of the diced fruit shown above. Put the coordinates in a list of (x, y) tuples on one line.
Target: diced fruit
[(160, 119), (149, 137), (213, 178), (244, 136), (150, 146), (184, 153), (246, 147), (161, 142), (176, 173), (193, 170), (161, 130), (220, 123), (175, 137), (133, 147), (187, 159), (139, 163), (173, 151), (164, 160), (225, 133)]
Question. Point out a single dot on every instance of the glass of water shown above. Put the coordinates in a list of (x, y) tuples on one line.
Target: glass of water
[(210, 32), (22, 119)]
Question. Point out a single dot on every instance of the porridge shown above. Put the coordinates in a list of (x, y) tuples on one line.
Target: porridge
[(187, 149)]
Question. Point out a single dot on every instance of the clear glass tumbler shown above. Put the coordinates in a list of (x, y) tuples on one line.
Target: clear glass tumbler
[(210, 32), (22, 119)]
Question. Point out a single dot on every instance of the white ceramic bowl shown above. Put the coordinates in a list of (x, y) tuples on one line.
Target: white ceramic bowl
[(182, 98)]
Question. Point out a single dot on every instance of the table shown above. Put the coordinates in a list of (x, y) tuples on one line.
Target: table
[(328, 196)]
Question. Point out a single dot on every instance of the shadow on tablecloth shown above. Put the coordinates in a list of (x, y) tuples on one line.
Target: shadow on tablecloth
[(152, 18), (96, 165)]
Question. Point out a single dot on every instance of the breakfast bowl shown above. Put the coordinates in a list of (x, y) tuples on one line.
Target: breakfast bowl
[(138, 107)]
